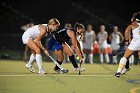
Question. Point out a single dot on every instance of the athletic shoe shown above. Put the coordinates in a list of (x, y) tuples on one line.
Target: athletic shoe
[(117, 74), (41, 70), (124, 70), (77, 69), (61, 71), (30, 68)]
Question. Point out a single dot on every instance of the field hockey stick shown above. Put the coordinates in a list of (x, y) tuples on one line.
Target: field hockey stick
[(61, 68), (80, 68)]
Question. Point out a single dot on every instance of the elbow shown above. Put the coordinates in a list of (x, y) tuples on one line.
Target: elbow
[(75, 47)]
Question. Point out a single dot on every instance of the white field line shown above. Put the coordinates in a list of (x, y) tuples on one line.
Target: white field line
[(60, 75)]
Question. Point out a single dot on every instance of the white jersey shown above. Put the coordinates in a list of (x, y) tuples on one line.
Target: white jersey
[(135, 42), (115, 41), (136, 32), (89, 40), (115, 38), (32, 32), (101, 36)]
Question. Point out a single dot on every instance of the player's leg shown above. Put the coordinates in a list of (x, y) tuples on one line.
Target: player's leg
[(123, 61), (60, 58), (67, 50), (31, 44), (91, 57), (131, 59), (85, 55), (101, 55), (31, 59), (139, 58), (114, 53), (100, 51), (29, 65), (106, 56), (26, 53)]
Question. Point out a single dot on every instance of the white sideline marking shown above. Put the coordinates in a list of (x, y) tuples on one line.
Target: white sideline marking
[(67, 75)]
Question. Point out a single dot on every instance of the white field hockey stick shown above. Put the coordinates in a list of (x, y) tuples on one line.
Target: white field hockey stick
[(61, 68)]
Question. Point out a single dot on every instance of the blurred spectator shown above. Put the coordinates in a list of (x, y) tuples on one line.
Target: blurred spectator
[(24, 28), (102, 41), (89, 39), (116, 39)]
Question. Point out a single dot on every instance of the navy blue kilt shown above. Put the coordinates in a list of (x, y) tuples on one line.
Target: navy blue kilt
[(54, 45)]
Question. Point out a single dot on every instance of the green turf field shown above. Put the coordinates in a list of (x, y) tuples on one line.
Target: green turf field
[(15, 78)]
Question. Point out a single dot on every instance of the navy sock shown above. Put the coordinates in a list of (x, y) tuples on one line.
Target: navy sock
[(73, 61), (59, 62), (127, 65)]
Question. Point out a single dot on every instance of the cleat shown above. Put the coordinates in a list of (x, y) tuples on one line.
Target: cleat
[(117, 74), (61, 71), (41, 71), (30, 68), (124, 71), (77, 69)]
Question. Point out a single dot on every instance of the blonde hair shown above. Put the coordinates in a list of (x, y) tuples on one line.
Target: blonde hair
[(53, 21)]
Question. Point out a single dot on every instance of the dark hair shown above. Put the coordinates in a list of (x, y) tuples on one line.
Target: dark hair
[(136, 17), (79, 26)]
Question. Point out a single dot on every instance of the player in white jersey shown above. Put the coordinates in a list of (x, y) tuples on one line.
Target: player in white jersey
[(32, 38), (116, 38), (134, 45), (89, 39), (24, 28), (102, 41)]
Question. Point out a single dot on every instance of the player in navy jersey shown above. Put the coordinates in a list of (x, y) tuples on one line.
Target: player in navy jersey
[(58, 45)]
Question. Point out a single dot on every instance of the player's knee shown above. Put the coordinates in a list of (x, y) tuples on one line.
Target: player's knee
[(37, 51), (70, 53), (60, 59)]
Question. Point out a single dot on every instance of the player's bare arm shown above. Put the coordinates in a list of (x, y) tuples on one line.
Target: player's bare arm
[(128, 33), (74, 43), (40, 36)]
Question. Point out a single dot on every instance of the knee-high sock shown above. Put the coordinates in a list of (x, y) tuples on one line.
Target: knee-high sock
[(122, 64), (127, 64), (91, 58), (84, 59), (131, 59), (73, 61), (107, 58), (101, 58), (59, 62), (114, 59), (39, 60), (31, 60)]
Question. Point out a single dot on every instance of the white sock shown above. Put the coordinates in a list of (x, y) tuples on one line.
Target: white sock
[(101, 58), (131, 59), (31, 60), (39, 60), (122, 64), (84, 59), (114, 59), (107, 58), (91, 58)]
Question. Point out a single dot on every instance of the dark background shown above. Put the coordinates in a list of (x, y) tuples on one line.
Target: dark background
[(95, 12)]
